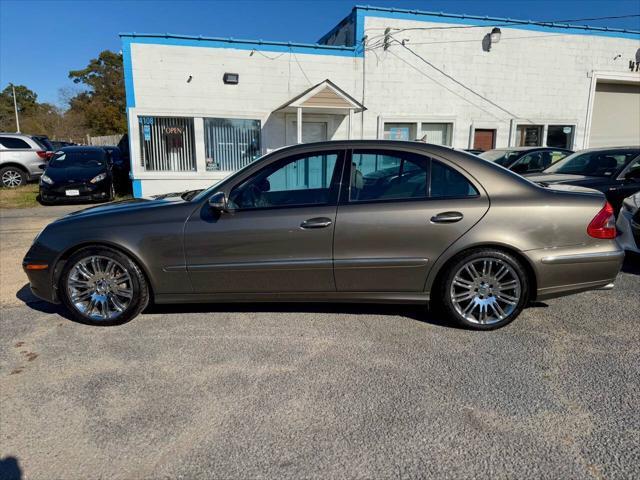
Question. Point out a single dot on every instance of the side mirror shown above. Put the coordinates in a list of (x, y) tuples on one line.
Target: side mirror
[(218, 202)]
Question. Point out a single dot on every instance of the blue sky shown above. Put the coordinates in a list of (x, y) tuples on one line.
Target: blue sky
[(40, 41)]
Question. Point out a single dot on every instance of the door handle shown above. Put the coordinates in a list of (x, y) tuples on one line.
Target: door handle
[(318, 222), (447, 217)]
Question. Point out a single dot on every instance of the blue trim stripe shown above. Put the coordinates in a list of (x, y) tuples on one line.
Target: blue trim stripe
[(137, 188), (128, 73), (418, 15)]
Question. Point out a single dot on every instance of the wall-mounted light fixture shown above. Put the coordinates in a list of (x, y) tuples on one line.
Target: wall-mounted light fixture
[(495, 35), (231, 78)]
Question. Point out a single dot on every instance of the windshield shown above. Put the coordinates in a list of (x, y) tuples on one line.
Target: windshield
[(600, 163), (80, 158), (503, 158)]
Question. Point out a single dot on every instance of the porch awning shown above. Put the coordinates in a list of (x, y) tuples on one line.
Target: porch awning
[(325, 97)]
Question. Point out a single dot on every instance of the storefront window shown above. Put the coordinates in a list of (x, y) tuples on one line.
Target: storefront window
[(167, 144), (230, 144), (400, 131), (529, 136), (436, 133), (560, 136)]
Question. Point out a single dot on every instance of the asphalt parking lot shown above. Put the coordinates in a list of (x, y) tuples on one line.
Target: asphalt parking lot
[(317, 391)]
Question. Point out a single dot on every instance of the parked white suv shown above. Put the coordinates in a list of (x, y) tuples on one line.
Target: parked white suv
[(22, 158)]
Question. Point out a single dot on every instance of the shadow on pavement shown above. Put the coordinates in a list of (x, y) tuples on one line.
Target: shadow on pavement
[(10, 469), (413, 312), (631, 263), (34, 303)]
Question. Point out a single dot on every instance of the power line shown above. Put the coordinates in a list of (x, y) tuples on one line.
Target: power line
[(513, 115), (443, 86)]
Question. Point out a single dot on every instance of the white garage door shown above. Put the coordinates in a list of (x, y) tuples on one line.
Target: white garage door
[(616, 115)]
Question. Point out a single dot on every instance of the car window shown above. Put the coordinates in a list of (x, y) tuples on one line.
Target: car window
[(503, 158), (634, 170), (382, 175), (294, 181), (447, 182), (78, 158), (14, 143), (598, 163), (557, 155)]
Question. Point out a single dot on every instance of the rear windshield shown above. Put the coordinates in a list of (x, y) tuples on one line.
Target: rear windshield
[(501, 157), (600, 163), (79, 158), (43, 142)]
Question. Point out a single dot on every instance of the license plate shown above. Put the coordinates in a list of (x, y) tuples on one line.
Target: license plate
[(72, 193)]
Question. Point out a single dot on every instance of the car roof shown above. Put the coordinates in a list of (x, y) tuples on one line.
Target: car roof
[(610, 149), (524, 149), (81, 148)]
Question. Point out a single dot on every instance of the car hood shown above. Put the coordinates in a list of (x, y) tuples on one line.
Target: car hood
[(73, 174), (125, 206)]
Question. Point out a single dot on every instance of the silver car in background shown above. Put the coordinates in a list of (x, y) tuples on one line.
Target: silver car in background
[(22, 159), (628, 224)]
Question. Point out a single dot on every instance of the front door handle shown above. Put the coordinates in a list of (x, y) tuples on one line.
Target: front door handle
[(447, 217), (317, 222)]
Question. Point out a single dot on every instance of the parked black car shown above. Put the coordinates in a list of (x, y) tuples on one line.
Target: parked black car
[(526, 159), (78, 174), (613, 171)]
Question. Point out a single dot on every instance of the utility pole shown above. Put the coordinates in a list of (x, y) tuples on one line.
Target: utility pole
[(15, 108)]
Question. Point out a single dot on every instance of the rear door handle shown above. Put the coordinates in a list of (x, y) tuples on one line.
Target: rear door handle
[(318, 222), (447, 217)]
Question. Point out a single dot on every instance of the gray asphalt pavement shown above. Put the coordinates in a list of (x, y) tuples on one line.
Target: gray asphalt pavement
[(323, 391)]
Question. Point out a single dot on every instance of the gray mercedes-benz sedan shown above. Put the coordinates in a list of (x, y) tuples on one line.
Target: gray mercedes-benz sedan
[(343, 221)]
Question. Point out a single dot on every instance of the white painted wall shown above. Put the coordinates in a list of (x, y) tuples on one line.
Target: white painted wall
[(540, 77)]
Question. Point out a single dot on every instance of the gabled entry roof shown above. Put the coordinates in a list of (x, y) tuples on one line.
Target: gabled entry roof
[(325, 97)]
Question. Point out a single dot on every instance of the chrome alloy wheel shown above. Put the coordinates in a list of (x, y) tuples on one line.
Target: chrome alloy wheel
[(485, 291), (99, 288), (11, 179)]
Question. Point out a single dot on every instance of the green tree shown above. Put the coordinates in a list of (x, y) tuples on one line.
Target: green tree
[(103, 102), (27, 101)]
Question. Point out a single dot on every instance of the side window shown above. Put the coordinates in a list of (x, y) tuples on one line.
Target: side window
[(634, 170), (294, 181), (531, 162), (14, 143), (382, 175), (446, 182), (557, 155)]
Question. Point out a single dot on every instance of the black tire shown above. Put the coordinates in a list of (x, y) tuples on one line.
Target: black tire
[(445, 291), (10, 175), (136, 282)]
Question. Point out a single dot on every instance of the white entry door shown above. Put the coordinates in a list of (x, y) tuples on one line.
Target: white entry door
[(311, 132)]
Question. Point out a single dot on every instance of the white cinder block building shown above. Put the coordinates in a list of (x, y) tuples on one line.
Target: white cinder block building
[(199, 108)]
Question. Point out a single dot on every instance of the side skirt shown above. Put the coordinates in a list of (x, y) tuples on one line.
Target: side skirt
[(343, 297)]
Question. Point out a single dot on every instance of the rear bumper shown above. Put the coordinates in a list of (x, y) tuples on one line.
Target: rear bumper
[(564, 271)]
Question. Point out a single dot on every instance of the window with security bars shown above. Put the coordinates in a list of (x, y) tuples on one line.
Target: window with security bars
[(230, 144), (167, 144)]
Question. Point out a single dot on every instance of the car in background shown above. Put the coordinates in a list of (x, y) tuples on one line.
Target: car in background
[(58, 144), (78, 174), (628, 224), (356, 221), (22, 159), (524, 160), (120, 169), (615, 171)]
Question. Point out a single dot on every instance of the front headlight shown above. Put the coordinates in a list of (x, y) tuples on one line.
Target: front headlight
[(44, 178), (98, 178)]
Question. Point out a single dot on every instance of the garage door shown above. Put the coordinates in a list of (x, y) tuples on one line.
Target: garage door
[(616, 115)]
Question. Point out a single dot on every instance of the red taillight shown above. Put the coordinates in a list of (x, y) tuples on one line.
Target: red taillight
[(603, 224), (42, 154)]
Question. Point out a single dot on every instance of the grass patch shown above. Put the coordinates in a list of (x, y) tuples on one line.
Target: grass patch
[(19, 197)]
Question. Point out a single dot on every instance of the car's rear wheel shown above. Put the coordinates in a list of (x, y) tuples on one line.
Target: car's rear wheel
[(12, 177), (101, 286), (484, 289)]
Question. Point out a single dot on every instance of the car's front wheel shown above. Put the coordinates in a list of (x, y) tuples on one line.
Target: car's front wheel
[(484, 289), (101, 286)]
